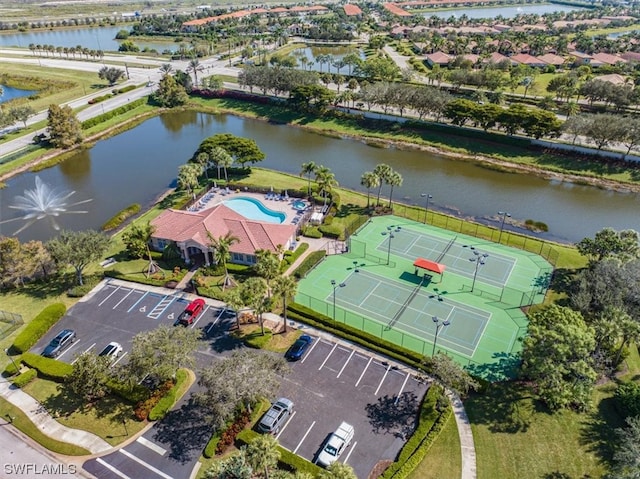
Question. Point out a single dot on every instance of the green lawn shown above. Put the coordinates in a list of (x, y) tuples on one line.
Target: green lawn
[(443, 460)]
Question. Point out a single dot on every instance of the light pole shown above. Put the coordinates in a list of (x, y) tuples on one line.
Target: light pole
[(479, 260), (426, 207), (504, 216), (335, 286), (6, 351), (390, 231), (439, 325)]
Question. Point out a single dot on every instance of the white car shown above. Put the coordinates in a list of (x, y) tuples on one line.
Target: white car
[(111, 350), (335, 445)]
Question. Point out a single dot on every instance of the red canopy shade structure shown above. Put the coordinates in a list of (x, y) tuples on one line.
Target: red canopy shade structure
[(429, 265)]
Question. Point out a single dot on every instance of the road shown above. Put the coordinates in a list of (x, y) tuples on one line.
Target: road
[(148, 74), (22, 458)]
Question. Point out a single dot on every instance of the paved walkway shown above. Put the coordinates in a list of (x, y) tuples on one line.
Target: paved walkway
[(48, 425)]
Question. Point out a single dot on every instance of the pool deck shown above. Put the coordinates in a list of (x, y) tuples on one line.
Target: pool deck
[(215, 196)]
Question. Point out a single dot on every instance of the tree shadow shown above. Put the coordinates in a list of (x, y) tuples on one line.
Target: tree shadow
[(184, 431), (502, 407), (504, 369), (598, 430), (394, 414), (223, 341), (64, 403)]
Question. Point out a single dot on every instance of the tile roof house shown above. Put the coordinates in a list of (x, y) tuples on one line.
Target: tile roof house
[(188, 230), (438, 58), (607, 58), (551, 59), (527, 59)]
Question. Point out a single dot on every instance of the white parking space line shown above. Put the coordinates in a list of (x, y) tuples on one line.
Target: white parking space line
[(349, 455), (364, 371), (346, 362), (118, 360), (200, 317), (142, 463), (112, 469), (382, 380), (295, 451), (328, 356), (285, 425), (151, 445), (315, 343), (68, 349), (136, 303), (215, 321), (109, 296), (85, 351), (402, 388), (125, 297)]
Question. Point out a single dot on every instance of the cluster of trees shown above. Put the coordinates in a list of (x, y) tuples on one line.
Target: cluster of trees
[(381, 174), (604, 129), (15, 113), (325, 179), (63, 127), (73, 51), (569, 347), (21, 262)]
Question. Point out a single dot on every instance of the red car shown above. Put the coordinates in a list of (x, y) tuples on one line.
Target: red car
[(191, 312)]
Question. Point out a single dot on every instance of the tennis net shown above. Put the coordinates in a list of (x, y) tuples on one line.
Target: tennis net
[(405, 305), (446, 249)]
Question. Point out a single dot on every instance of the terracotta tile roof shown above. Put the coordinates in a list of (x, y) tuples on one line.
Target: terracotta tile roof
[(526, 59), (393, 8), (552, 59), (352, 10), (608, 58), (182, 226)]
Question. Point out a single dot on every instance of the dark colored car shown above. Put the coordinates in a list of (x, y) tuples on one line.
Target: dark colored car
[(191, 312), (111, 350), (59, 343), (297, 349)]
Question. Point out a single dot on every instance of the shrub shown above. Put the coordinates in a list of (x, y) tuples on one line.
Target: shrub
[(331, 231), (96, 120), (38, 327), (291, 256), (134, 394), (48, 368), (143, 408), (99, 99), (121, 217), (311, 232), (12, 368), (627, 398), (25, 378), (228, 436), (309, 263), (165, 404)]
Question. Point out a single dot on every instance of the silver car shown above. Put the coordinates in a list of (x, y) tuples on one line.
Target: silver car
[(276, 416)]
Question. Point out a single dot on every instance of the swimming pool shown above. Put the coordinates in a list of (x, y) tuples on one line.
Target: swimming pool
[(254, 210)]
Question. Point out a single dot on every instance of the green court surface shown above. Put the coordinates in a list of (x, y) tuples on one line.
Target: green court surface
[(476, 301)]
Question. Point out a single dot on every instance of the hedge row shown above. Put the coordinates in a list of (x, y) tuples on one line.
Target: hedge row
[(38, 327), (134, 394), (99, 99), (25, 378), (290, 257), (427, 417), (331, 231), (288, 460), (309, 263), (308, 316), (165, 404), (47, 368), (312, 232), (121, 216), (124, 89), (96, 120)]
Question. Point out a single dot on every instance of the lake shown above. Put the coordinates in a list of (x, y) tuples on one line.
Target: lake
[(507, 11), (9, 93)]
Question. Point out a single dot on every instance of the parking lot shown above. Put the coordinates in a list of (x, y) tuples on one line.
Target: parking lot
[(332, 383)]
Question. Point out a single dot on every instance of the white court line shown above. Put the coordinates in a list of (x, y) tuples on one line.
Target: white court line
[(401, 389), (105, 299), (142, 463), (349, 455), (112, 469), (382, 380), (304, 437), (346, 362), (315, 343), (125, 297), (328, 356), (364, 371), (151, 445), (285, 425)]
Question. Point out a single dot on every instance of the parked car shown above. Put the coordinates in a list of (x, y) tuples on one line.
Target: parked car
[(297, 349), (63, 339), (111, 350), (335, 445), (191, 312), (276, 416)]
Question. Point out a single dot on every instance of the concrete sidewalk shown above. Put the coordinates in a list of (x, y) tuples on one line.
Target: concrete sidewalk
[(48, 425)]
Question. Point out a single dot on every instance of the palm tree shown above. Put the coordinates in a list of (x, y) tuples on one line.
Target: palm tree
[(308, 169), (222, 252), (369, 180), (218, 156), (253, 294), (195, 67), (166, 69), (188, 177), (326, 180), (395, 179), (202, 159), (382, 171), (262, 453), (267, 267), (286, 288), (234, 301)]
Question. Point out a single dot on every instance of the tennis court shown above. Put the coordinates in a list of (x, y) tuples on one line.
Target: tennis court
[(376, 287)]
